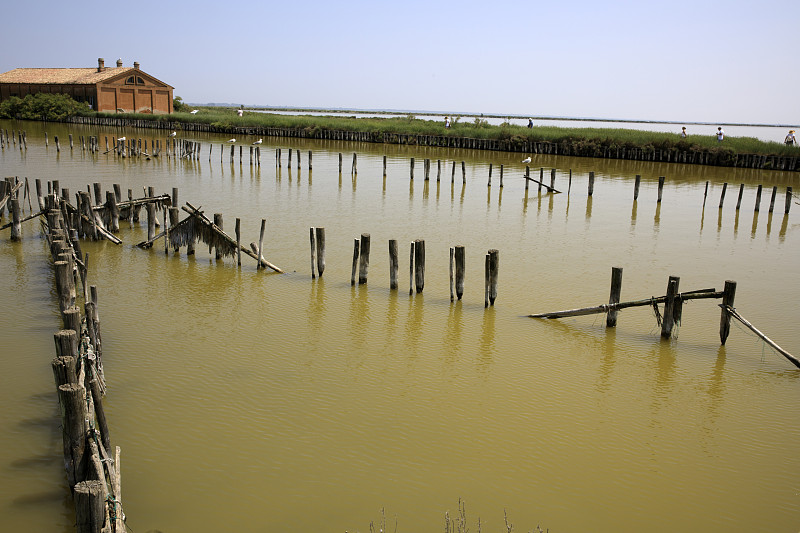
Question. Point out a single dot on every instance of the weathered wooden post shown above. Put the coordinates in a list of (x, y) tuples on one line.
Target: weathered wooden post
[(722, 195), (758, 199), (16, 218), (354, 168), (486, 281), (541, 179), (411, 169), (427, 169), (411, 269), (218, 223), (616, 291), (527, 176), (151, 221), (788, 200), (494, 266), (320, 239), (70, 142), (439, 170), (356, 253), (309, 160), (636, 187), (419, 264), (739, 200), (174, 215), (501, 175), (772, 200), (261, 243), (90, 506), (340, 163), (238, 230), (552, 178), (453, 174), (660, 187), (384, 165), (463, 172), (452, 273), (72, 401), (668, 320), (58, 144), (363, 262), (313, 252), (728, 297), (461, 265), (393, 264), (490, 176), (111, 203), (289, 161), (591, 183)]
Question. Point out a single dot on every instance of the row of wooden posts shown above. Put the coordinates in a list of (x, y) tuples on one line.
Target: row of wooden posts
[(92, 465), (191, 150), (672, 311)]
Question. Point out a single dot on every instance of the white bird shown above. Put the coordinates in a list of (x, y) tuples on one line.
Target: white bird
[(121, 139), (193, 112), (259, 141), (173, 134), (527, 159), (231, 140)]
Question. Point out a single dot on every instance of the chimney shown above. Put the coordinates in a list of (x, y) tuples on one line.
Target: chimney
[(119, 63), (136, 65), (101, 64)]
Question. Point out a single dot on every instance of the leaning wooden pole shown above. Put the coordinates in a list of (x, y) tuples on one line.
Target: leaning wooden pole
[(732, 312)]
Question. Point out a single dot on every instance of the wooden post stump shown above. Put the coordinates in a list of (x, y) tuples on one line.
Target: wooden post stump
[(363, 262), (90, 511), (419, 264), (660, 187), (320, 238), (636, 187), (668, 320), (393, 264), (728, 297), (591, 183), (494, 266), (461, 265), (356, 253), (758, 199)]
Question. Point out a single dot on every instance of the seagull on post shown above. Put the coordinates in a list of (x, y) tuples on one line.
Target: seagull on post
[(527, 160), (259, 141), (173, 134)]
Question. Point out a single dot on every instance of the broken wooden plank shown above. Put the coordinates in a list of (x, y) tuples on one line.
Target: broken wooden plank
[(27, 218), (549, 188), (691, 295)]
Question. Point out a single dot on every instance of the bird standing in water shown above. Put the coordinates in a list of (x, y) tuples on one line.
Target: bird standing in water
[(527, 159)]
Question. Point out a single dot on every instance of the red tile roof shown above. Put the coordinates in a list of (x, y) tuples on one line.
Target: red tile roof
[(81, 76)]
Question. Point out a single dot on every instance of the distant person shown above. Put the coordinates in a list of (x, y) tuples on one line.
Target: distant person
[(720, 134), (683, 132), (790, 139), (447, 122), (530, 122)]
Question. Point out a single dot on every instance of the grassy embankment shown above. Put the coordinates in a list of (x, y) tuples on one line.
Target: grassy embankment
[(581, 140)]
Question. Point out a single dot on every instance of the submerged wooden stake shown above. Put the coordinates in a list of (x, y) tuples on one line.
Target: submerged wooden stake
[(419, 264), (728, 297), (363, 262), (460, 260), (668, 320), (393, 264), (616, 291)]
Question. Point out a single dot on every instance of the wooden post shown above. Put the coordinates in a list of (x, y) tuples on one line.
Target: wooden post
[(419, 264), (218, 223), (320, 238), (90, 506), (384, 165), (527, 176), (591, 183), (463, 172), (64, 285), (494, 265), (486, 281), (111, 204), (660, 187), (411, 269), (453, 174), (552, 178), (174, 215), (238, 231), (313, 253), (616, 291), (356, 253), (728, 297), (393, 264), (668, 320), (439, 170), (309, 160), (16, 224), (411, 169), (363, 263), (490, 175), (461, 264), (72, 401), (261, 242), (636, 187), (427, 169), (452, 274), (788, 200), (722, 195), (340, 164), (739, 200), (772, 200), (151, 221), (758, 199)]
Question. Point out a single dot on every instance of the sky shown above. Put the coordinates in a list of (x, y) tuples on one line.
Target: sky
[(727, 61)]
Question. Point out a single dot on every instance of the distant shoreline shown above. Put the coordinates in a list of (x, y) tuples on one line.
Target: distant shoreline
[(391, 112)]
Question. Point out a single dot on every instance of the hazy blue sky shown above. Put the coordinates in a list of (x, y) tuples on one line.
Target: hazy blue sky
[(724, 61)]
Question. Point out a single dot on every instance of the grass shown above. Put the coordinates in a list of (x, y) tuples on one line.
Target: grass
[(585, 139)]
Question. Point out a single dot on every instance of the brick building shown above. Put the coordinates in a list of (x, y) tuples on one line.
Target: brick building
[(108, 89)]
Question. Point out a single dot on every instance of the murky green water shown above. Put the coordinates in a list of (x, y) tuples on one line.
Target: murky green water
[(252, 401)]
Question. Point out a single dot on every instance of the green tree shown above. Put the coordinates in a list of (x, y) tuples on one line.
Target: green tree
[(41, 106), (177, 104)]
